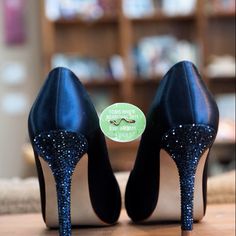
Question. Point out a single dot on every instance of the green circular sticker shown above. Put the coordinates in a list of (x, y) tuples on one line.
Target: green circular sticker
[(122, 122)]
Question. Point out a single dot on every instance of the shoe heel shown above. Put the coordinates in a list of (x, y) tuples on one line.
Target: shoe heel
[(186, 145), (62, 151)]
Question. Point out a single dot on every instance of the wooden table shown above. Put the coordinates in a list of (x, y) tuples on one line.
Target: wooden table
[(220, 220)]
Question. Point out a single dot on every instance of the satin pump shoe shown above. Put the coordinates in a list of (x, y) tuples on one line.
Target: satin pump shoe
[(77, 184), (169, 179)]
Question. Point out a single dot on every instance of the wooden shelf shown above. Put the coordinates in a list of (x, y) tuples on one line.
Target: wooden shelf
[(119, 40), (160, 17), (101, 83), (221, 15), (78, 21), (219, 82), (147, 81), (222, 84), (222, 78)]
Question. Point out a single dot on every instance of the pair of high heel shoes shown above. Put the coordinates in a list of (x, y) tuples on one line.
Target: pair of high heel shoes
[(73, 164)]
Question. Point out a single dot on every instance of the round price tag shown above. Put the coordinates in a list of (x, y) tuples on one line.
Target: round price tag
[(122, 122)]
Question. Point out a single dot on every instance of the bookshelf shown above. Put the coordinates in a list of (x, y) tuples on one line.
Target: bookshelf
[(116, 34)]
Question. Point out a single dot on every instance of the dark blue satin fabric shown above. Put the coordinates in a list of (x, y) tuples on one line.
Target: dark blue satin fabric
[(183, 98), (63, 104)]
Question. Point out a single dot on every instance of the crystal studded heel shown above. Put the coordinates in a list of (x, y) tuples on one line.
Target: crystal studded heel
[(62, 151), (169, 178), (186, 144), (77, 185)]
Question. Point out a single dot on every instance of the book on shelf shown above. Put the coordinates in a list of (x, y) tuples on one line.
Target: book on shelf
[(220, 6), (154, 55), (87, 10), (221, 66), (180, 7), (137, 9), (89, 68), (142, 8)]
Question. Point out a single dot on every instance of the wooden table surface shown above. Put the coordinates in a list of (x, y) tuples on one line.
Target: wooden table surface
[(219, 221)]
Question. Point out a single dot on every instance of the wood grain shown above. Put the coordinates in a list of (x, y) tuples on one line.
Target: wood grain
[(219, 220)]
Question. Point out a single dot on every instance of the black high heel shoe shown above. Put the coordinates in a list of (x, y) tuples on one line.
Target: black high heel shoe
[(77, 184), (181, 126)]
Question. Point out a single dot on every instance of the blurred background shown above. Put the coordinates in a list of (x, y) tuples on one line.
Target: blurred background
[(120, 50)]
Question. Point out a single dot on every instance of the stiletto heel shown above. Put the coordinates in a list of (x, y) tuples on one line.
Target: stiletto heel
[(62, 151), (77, 184), (186, 145), (169, 178)]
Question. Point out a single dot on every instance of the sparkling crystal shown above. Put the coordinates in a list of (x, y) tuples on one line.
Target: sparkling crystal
[(192, 141), (53, 147)]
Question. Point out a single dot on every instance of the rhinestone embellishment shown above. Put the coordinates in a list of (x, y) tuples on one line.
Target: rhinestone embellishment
[(62, 151), (186, 144)]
